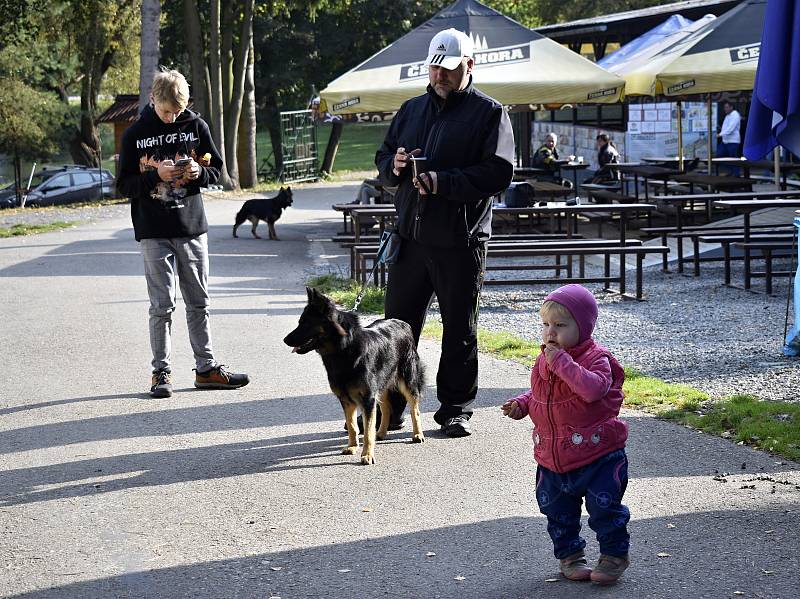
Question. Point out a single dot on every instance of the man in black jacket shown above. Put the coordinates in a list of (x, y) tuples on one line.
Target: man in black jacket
[(166, 156), (445, 215)]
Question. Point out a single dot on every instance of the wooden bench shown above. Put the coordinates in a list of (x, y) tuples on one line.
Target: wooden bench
[(695, 231), (767, 249), (737, 240), (556, 250), (790, 183), (640, 251), (367, 249)]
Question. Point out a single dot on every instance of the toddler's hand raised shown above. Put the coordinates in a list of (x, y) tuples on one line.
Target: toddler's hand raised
[(550, 350), (512, 410)]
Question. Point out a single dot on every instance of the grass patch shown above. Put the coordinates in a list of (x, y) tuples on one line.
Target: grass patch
[(357, 146), (772, 426), (22, 229), (344, 292)]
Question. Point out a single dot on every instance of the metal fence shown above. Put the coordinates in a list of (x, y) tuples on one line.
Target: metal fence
[(299, 141)]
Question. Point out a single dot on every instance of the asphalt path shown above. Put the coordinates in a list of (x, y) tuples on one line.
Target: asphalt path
[(105, 492)]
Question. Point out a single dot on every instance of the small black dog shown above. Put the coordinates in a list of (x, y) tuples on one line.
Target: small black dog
[(363, 365), (266, 209)]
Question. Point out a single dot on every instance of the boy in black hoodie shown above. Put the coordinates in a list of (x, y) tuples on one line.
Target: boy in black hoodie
[(166, 156)]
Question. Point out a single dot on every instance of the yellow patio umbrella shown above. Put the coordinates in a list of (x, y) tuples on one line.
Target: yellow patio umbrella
[(513, 64), (720, 57), (640, 69)]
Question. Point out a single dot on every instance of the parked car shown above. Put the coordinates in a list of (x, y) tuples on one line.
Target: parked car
[(62, 185)]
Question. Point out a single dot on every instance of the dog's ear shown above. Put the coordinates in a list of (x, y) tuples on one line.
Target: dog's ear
[(319, 300), (338, 328)]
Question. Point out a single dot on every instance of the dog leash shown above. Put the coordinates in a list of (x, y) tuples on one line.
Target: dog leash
[(378, 256)]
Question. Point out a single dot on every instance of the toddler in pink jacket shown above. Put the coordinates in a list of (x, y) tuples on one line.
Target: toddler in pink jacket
[(578, 438)]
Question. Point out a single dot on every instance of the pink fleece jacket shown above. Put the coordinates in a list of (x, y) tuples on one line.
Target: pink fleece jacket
[(574, 405)]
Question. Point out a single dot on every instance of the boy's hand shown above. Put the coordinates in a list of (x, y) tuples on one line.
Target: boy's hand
[(512, 410), (167, 170), (191, 171)]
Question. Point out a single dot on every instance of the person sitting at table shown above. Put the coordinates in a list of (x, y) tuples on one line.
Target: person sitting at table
[(729, 136), (370, 193), (606, 154), (547, 158)]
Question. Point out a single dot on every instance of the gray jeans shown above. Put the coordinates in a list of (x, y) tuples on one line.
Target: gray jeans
[(186, 258)]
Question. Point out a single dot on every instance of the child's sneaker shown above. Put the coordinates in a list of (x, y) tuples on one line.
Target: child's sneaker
[(609, 568), (161, 383), (220, 377), (575, 566)]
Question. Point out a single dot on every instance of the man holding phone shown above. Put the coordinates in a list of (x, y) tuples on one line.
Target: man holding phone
[(444, 214), (167, 155)]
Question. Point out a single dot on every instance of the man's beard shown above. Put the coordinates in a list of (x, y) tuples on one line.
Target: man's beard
[(442, 91)]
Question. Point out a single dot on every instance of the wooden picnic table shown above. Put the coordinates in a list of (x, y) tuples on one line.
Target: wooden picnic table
[(646, 172), (347, 212), (715, 182), (572, 212), (573, 166), (680, 201), (749, 165), (548, 189), (522, 173), (746, 208)]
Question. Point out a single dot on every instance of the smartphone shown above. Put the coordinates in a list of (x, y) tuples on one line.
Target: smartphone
[(183, 162)]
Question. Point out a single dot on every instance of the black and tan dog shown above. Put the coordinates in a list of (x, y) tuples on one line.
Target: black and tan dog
[(266, 209), (363, 365)]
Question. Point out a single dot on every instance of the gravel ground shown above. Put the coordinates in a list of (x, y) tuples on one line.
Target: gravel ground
[(689, 330)]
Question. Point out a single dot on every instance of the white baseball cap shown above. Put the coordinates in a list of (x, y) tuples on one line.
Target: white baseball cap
[(447, 49)]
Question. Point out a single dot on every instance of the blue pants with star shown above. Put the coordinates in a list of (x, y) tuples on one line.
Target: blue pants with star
[(602, 484)]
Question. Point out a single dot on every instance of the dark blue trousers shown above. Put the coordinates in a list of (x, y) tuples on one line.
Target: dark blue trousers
[(729, 151), (602, 483)]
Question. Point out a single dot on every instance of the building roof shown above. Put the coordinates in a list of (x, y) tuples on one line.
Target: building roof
[(125, 109), (624, 26)]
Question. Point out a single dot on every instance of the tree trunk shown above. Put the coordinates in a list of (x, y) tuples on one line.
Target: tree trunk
[(201, 82), (85, 145), (229, 11), (333, 146), (217, 115), (148, 54), (248, 163), (233, 110), (273, 118)]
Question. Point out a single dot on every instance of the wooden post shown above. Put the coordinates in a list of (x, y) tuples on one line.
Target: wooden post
[(680, 136), (710, 131)]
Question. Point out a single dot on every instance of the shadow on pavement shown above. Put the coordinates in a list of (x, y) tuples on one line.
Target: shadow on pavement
[(507, 558)]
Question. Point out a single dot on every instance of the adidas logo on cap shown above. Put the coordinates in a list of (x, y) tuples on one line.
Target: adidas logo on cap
[(448, 48)]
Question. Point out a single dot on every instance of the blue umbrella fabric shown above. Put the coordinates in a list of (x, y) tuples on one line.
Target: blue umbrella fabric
[(774, 117)]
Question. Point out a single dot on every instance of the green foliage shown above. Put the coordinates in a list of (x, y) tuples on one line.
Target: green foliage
[(31, 122)]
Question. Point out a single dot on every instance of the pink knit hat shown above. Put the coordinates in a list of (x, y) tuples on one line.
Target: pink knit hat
[(581, 304)]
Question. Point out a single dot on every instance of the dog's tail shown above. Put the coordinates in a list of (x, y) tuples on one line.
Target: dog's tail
[(412, 371), (241, 216)]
